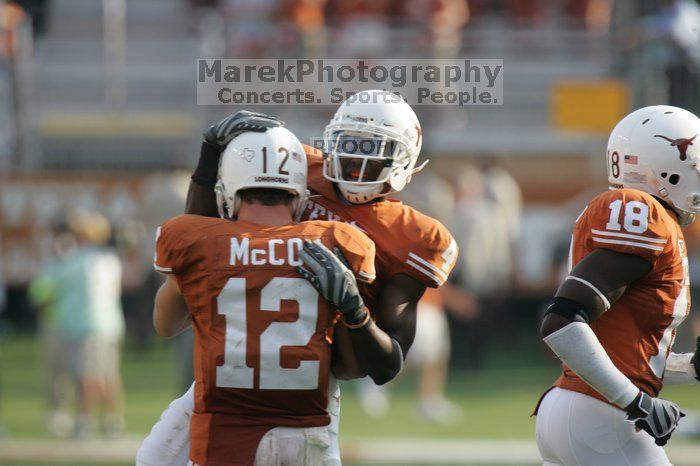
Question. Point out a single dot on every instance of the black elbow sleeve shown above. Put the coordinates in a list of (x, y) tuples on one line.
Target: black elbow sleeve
[(568, 309)]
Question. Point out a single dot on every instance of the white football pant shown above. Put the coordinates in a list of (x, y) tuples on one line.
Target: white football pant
[(168, 443), (574, 429), (332, 457), (288, 446)]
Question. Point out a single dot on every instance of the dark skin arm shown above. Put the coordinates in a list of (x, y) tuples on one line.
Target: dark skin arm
[(344, 364), (611, 273), (381, 346), (201, 200)]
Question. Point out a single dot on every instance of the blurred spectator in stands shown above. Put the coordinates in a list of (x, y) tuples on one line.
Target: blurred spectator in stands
[(517, 13), (443, 30), (83, 320), (203, 3), (486, 225), (675, 30), (12, 15), (38, 11), (60, 333), (307, 19), (667, 43), (251, 27), (524, 13), (13, 27), (361, 27), (593, 15), (137, 286), (446, 22)]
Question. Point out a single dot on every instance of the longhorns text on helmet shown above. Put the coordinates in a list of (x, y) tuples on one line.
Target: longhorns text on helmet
[(271, 159)]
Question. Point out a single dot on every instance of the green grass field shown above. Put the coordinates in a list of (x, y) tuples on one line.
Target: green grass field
[(497, 402), (501, 399)]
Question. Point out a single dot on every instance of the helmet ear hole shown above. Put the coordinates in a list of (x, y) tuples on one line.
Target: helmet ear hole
[(674, 179), (664, 175)]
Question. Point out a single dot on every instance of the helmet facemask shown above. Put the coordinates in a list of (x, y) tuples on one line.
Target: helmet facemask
[(365, 164)]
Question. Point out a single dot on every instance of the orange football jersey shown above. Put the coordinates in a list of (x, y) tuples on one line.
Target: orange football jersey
[(407, 241), (262, 333), (638, 330)]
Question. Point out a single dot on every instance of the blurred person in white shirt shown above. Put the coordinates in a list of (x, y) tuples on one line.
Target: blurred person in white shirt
[(486, 224), (675, 30), (80, 292)]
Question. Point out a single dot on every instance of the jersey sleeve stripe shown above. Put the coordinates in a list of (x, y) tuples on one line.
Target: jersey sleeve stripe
[(590, 285), (162, 269), (435, 278), (581, 214), (628, 243), (428, 265), (629, 236)]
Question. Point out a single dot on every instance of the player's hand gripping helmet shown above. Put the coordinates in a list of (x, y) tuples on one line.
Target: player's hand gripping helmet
[(273, 159), (372, 145), (657, 150)]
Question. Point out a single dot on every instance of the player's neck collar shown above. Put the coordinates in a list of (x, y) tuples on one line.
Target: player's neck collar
[(668, 206)]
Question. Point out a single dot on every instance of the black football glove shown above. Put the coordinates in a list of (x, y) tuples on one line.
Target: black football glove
[(696, 359), (237, 123), (219, 135), (333, 279), (659, 417)]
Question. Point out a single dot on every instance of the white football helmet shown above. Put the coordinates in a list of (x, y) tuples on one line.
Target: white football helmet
[(657, 150), (372, 145), (273, 159)]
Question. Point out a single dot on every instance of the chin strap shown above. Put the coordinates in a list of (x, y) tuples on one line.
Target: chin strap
[(394, 191)]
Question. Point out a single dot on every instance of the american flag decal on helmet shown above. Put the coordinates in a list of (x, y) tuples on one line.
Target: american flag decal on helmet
[(631, 159)]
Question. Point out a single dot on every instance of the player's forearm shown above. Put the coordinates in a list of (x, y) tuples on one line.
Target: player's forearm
[(379, 355), (344, 364), (201, 199), (576, 345), (170, 313)]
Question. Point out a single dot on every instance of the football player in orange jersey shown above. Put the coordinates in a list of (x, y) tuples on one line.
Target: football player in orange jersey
[(262, 333), (613, 319), (347, 184)]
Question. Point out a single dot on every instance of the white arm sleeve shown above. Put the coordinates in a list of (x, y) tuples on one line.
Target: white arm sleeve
[(577, 346), (679, 370)]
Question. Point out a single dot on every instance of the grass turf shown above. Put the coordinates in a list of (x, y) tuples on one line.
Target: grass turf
[(497, 402)]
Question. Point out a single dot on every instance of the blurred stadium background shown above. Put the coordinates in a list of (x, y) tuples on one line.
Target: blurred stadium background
[(98, 112)]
